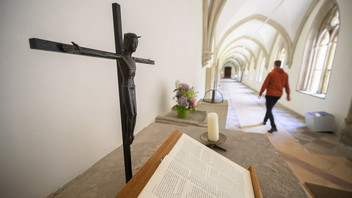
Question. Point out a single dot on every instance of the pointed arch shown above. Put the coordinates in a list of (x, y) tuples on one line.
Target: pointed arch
[(320, 51), (270, 22)]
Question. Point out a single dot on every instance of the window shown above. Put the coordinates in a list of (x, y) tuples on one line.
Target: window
[(282, 57), (245, 74), (316, 71), (261, 70), (251, 70)]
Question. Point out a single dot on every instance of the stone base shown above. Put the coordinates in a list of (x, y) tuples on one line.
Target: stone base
[(346, 135), (219, 108), (196, 118)]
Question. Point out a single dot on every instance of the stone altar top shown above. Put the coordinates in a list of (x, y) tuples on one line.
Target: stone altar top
[(245, 149), (196, 118)]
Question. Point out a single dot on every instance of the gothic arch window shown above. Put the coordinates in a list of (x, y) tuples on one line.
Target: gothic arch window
[(316, 71), (261, 70), (246, 71), (282, 57), (251, 69)]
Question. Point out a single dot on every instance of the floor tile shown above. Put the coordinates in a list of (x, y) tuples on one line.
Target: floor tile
[(312, 156)]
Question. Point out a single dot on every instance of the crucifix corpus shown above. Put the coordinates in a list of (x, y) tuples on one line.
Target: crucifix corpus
[(126, 68)]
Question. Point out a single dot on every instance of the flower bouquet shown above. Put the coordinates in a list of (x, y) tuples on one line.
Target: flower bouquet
[(185, 98)]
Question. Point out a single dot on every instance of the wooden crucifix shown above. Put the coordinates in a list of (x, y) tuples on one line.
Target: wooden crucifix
[(126, 68)]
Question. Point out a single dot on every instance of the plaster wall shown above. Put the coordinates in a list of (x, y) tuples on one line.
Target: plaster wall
[(339, 92), (59, 113)]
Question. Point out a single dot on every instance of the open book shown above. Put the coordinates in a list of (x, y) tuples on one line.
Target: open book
[(193, 170)]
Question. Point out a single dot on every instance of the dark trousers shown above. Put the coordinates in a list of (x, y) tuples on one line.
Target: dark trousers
[(270, 102)]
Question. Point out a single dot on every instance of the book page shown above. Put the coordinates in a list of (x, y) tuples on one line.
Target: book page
[(214, 167), (193, 170), (172, 179)]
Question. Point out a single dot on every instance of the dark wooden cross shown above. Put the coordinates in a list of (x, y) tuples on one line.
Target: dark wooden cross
[(41, 44)]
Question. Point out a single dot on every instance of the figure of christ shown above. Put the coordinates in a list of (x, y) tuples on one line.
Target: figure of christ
[(128, 71)]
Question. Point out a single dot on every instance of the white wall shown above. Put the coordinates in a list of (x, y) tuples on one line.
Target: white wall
[(339, 92), (59, 113)]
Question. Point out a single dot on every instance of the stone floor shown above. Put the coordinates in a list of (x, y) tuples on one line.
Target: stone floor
[(312, 157)]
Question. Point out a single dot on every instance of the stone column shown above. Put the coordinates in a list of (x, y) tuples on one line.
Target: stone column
[(216, 74), (348, 119), (346, 132), (211, 13), (208, 81)]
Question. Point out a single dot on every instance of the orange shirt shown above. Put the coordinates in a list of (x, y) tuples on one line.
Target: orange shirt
[(274, 83)]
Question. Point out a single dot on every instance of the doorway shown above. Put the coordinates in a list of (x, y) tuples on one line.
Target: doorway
[(227, 72)]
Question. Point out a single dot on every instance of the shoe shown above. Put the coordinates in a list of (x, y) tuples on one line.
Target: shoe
[(263, 123), (272, 130)]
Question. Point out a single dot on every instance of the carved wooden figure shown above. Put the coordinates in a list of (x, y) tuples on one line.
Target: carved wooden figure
[(128, 71)]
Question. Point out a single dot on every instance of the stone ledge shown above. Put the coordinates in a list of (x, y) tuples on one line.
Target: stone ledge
[(196, 118)]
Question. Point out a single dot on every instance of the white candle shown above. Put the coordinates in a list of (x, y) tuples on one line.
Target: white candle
[(213, 127)]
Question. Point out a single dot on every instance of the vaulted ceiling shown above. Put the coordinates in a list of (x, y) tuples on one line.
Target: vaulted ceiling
[(240, 30)]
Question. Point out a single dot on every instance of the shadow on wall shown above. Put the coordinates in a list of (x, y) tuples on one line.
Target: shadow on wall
[(164, 97)]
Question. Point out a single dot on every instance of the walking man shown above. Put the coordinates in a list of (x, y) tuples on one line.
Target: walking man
[(274, 83)]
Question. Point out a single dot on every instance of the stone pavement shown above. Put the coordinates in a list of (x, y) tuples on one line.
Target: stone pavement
[(312, 157)]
